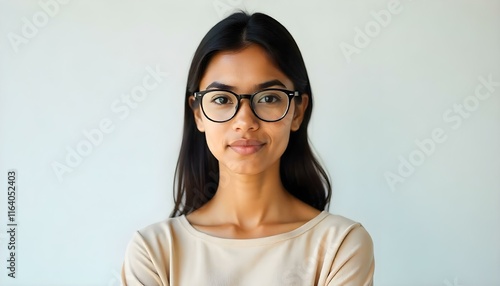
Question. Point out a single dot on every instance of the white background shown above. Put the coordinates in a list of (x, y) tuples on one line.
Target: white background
[(440, 226)]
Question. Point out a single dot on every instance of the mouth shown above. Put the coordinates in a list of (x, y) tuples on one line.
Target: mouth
[(246, 146)]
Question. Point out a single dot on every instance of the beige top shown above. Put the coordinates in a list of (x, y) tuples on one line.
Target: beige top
[(327, 250)]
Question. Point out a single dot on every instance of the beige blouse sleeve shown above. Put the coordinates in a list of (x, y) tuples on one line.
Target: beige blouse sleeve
[(138, 269), (354, 261)]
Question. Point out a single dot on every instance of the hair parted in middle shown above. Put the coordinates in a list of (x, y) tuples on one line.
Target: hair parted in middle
[(197, 170)]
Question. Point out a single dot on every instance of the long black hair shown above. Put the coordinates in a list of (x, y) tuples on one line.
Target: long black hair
[(197, 170)]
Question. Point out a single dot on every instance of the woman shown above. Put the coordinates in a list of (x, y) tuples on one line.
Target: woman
[(250, 196)]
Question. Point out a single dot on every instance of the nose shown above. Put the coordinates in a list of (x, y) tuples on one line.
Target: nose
[(245, 119)]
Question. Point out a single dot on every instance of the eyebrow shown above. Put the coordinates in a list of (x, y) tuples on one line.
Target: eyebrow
[(263, 85)]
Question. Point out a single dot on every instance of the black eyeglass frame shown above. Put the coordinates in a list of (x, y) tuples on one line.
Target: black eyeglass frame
[(198, 95)]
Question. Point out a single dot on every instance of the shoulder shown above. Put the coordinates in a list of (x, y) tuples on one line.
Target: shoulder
[(148, 254), (344, 236), (340, 225), (348, 251), (161, 230), (152, 243), (155, 236)]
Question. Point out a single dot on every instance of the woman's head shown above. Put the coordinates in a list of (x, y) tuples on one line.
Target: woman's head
[(247, 135), (239, 53)]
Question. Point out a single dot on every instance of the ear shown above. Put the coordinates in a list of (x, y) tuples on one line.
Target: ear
[(197, 114), (299, 111)]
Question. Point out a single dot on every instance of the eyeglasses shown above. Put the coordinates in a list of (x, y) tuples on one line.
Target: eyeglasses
[(269, 105)]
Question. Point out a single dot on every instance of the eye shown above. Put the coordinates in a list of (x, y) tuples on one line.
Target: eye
[(269, 98), (221, 99)]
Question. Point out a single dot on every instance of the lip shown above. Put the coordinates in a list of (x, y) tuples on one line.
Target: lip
[(246, 146)]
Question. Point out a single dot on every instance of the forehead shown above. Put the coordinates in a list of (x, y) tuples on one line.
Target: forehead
[(243, 69)]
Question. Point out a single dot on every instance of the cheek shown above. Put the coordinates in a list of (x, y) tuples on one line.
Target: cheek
[(215, 138), (281, 133)]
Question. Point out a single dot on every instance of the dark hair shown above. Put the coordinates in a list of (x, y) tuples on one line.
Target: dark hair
[(197, 170)]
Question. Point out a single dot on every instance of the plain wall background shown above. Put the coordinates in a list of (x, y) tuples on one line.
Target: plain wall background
[(440, 226)]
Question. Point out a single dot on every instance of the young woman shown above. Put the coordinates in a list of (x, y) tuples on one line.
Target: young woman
[(250, 195)]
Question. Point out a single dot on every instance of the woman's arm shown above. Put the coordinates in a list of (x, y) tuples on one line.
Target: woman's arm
[(138, 269), (354, 262)]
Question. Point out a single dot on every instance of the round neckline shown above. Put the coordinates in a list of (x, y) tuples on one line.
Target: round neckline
[(253, 241)]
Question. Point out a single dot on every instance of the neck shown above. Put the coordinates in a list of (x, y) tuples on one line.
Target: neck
[(249, 200)]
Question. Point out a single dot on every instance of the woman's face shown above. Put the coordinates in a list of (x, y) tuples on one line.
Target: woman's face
[(245, 144)]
